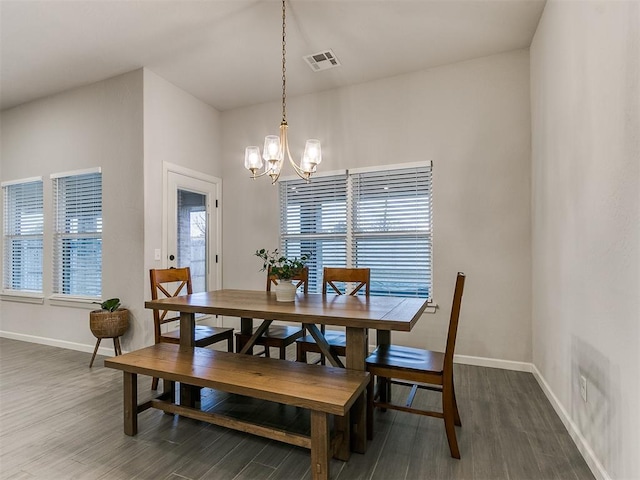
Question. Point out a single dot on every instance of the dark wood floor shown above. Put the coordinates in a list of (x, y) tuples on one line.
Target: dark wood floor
[(61, 420)]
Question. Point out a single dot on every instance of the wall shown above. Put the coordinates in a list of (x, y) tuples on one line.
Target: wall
[(473, 120), (585, 97), (97, 125), (181, 130)]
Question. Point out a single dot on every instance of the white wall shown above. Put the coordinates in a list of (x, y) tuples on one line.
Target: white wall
[(585, 95), (473, 120), (99, 125), (128, 125), (181, 130)]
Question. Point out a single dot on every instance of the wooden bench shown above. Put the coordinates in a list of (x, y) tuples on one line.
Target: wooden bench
[(322, 390)]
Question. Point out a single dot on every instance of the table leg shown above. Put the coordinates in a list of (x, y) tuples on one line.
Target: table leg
[(356, 355), (130, 403)]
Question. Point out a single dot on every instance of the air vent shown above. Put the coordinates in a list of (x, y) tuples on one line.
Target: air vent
[(322, 60)]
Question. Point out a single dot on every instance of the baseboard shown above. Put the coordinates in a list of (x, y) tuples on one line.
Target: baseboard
[(493, 363), (587, 453), (52, 342)]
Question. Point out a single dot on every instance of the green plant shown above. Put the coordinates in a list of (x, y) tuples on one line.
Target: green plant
[(110, 305), (282, 267)]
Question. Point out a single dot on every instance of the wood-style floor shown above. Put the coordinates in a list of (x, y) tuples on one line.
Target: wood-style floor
[(61, 420)]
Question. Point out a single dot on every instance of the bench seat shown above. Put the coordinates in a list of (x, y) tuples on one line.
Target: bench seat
[(322, 390)]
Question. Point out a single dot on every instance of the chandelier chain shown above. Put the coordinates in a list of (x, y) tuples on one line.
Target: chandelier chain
[(284, 68)]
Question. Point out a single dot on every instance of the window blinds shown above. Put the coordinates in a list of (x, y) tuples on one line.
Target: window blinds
[(313, 219), (23, 230), (379, 219), (391, 216), (77, 242)]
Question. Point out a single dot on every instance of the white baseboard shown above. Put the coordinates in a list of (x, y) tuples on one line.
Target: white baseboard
[(493, 363), (587, 453), (52, 342)]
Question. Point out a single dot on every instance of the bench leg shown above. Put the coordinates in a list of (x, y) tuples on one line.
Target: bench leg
[(130, 403), (320, 445), (342, 428)]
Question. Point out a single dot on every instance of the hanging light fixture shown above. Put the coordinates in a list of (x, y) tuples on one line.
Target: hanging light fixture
[(276, 148)]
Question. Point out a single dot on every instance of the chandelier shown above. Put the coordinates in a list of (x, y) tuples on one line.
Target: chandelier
[(276, 148)]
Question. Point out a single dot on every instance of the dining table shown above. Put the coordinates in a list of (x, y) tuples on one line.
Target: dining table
[(357, 314)]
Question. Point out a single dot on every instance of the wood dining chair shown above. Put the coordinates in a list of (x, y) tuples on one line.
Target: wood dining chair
[(338, 280), (173, 282), (277, 336), (418, 369)]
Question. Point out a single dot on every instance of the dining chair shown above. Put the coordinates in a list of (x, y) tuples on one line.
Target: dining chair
[(172, 282), (338, 280), (418, 369), (277, 336)]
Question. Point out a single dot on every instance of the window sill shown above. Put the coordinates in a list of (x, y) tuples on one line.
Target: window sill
[(75, 302), (23, 297)]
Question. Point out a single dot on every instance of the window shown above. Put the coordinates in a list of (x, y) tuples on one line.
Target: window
[(77, 238), (379, 219), (23, 230)]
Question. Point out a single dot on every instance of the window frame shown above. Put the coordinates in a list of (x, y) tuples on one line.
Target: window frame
[(8, 264), (59, 237)]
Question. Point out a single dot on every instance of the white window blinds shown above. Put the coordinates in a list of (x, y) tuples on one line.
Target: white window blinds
[(23, 230), (391, 217), (77, 241), (379, 219), (313, 219)]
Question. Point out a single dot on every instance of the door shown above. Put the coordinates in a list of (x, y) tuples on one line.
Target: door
[(192, 228)]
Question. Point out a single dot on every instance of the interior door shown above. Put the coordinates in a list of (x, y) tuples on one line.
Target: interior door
[(192, 225)]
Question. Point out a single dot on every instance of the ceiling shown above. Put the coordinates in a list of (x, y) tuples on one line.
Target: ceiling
[(227, 52)]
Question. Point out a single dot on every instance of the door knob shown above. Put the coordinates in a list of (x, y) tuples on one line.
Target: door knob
[(172, 257)]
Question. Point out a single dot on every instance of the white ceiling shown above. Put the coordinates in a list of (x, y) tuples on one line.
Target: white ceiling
[(227, 52)]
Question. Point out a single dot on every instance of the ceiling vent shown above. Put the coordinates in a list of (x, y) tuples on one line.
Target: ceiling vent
[(322, 60)]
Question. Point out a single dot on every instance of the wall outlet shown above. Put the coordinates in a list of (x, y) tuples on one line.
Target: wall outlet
[(583, 387)]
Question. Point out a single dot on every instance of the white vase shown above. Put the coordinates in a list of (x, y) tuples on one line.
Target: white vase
[(285, 291)]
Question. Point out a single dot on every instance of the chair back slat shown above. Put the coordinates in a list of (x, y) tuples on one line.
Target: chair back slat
[(360, 276), (302, 278), (161, 279)]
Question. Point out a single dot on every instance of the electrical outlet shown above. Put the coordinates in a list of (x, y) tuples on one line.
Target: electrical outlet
[(583, 387)]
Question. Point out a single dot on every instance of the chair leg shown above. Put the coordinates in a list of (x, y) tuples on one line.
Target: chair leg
[(370, 407), (154, 383), (230, 344), (283, 352), (456, 414), (301, 353), (449, 419), (95, 350)]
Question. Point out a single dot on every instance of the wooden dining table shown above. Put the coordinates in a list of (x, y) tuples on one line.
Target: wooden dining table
[(357, 314)]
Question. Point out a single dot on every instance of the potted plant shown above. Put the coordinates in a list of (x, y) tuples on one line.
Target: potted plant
[(284, 269), (111, 321)]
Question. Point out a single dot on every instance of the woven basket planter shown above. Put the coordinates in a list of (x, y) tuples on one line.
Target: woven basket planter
[(105, 324)]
